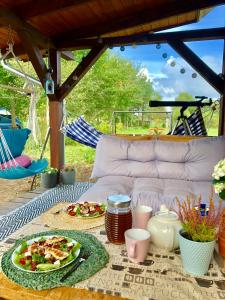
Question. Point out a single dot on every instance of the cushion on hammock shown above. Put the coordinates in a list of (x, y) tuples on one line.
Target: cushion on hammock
[(16, 140), (22, 160)]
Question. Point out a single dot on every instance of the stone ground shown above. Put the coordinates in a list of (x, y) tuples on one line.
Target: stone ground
[(15, 193)]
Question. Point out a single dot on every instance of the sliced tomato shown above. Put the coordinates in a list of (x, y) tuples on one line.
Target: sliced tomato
[(23, 261), (72, 213)]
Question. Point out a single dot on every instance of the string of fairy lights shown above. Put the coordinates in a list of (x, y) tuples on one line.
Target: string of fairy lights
[(171, 61)]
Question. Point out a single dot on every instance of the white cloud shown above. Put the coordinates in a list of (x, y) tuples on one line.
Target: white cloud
[(170, 82)]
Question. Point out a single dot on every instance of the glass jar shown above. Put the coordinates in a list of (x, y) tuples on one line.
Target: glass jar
[(118, 218)]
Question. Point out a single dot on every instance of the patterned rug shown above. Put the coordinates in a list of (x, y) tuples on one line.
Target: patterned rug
[(24, 214)]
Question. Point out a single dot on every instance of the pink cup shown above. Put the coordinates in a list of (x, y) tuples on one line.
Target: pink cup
[(137, 244), (141, 216)]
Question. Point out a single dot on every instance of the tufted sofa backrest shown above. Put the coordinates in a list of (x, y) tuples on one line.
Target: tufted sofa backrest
[(193, 160)]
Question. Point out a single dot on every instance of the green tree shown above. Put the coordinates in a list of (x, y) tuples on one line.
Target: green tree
[(111, 84), (183, 96)]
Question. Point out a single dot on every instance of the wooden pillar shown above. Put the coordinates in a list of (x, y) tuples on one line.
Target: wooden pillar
[(221, 130), (56, 115)]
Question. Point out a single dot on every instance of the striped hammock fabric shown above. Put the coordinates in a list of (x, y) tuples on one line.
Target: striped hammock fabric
[(82, 132), (196, 124)]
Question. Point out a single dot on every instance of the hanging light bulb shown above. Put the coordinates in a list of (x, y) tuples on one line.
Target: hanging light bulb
[(122, 48), (164, 55), (173, 63), (182, 70), (194, 75), (158, 46)]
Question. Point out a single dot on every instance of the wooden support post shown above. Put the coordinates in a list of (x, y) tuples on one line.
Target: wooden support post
[(56, 115), (208, 74), (222, 100)]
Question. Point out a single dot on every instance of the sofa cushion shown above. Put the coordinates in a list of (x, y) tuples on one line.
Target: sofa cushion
[(148, 191), (193, 160), (22, 160), (155, 191), (106, 186)]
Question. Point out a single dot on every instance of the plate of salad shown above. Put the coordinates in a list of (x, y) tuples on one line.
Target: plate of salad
[(86, 210), (45, 253)]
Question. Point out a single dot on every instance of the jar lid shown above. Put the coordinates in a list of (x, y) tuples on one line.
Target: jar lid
[(119, 201)]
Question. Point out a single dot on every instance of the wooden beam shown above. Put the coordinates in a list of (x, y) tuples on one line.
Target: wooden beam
[(139, 18), (35, 57), (208, 74), (79, 71), (67, 55), (57, 146), (8, 18), (139, 39), (31, 9), (143, 39), (221, 130)]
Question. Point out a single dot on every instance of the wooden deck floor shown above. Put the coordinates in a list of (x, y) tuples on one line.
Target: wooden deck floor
[(8, 206)]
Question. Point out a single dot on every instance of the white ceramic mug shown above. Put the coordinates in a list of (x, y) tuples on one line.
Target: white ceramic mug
[(141, 216), (137, 243)]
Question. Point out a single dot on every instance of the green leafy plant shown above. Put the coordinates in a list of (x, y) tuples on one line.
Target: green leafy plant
[(50, 170), (200, 227), (69, 168)]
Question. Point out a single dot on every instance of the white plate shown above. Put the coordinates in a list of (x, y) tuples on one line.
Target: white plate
[(29, 242)]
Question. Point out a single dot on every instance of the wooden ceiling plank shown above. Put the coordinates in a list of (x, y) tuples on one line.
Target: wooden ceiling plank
[(139, 18), (202, 68), (8, 18), (145, 38), (36, 8), (79, 72), (35, 57)]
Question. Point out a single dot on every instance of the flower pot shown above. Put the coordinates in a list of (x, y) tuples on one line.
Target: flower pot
[(221, 245), (48, 180), (67, 177), (196, 256)]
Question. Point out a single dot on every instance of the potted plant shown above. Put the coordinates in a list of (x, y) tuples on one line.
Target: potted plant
[(67, 174), (49, 177), (219, 178), (198, 234)]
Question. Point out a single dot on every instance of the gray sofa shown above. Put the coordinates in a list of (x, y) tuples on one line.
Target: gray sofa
[(155, 171)]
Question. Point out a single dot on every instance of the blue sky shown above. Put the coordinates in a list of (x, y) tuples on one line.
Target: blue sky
[(167, 80)]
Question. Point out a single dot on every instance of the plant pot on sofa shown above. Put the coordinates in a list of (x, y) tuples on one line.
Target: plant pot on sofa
[(196, 256), (67, 177)]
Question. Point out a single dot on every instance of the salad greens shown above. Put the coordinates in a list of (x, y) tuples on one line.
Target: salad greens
[(45, 253)]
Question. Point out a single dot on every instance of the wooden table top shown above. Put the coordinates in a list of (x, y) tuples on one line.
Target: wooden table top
[(12, 291)]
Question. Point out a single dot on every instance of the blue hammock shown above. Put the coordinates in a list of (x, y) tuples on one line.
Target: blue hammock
[(18, 172), (82, 132), (12, 143)]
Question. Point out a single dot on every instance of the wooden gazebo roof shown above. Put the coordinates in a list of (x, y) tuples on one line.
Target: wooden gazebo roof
[(59, 23), (63, 25)]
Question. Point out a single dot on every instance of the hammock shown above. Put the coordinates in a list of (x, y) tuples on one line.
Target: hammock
[(82, 132), (196, 124), (10, 169)]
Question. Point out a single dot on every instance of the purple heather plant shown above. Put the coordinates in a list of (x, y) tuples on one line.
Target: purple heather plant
[(198, 227)]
